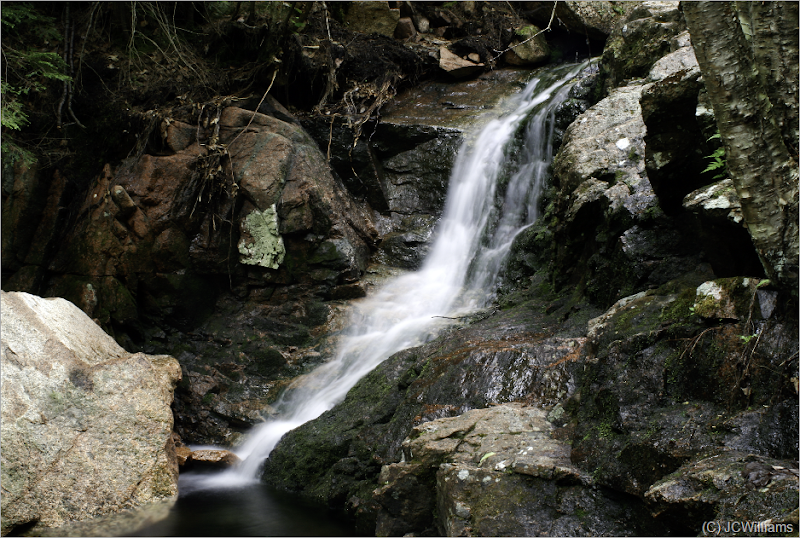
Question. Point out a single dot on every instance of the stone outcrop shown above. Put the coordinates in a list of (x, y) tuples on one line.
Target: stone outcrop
[(245, 222), (623, 170), (86, 426), (592, 19), (646, 34), (731, 486), (505, 453), (338, 457)]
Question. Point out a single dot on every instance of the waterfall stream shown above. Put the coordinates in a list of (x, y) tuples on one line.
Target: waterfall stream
[(459, 275)]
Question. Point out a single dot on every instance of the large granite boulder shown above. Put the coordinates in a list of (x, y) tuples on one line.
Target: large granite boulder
[(86, 426)]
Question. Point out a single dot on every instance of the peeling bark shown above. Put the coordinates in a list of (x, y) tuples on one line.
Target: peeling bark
[(752, 103)]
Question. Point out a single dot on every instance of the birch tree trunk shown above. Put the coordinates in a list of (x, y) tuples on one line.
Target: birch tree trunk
[(760, 137)]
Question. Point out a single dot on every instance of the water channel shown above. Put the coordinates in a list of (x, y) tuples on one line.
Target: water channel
[(493, 195)]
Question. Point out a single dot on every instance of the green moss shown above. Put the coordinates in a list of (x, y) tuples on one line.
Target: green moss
[(605, 431), (681, 308)]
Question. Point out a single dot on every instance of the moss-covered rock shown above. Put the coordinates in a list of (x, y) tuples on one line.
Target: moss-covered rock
[(748, 489), (658, 370)]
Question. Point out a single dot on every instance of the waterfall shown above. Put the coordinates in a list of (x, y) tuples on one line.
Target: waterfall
[(459, 274)]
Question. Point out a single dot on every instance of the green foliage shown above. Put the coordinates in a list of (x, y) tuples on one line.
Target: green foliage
[(14, 14), (717, 160), (11, 114), (298, 20), (29, 70)]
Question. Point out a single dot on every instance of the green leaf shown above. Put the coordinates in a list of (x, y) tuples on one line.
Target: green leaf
[(483, 458)]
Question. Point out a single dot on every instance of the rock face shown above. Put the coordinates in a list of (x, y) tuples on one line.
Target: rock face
[(505, 453), (338, 457), (661, 389), (599, 446), (624, 168), (86, 426), (647, 33), (208, 231), (593, 19)]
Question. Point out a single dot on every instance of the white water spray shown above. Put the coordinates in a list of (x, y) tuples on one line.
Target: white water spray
[(458, 275)]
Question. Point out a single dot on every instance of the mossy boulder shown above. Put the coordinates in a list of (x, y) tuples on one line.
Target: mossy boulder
[(729, 486), (656, 369)]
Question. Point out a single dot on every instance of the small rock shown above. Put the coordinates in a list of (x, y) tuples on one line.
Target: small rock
[(372, 18), (183, 454), (725, 298), (126, 206), (405, 29), (526, 49), (212, 458), (718, 201), (457, 66)]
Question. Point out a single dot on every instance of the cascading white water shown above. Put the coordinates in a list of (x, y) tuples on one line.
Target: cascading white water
[(458, 275)]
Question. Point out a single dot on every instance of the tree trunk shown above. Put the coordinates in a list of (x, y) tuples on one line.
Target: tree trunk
[(761, 165)]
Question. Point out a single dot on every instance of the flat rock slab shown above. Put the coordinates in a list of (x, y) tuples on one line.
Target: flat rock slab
[(456, 105), (86, 426), (499, 472), (212, 458)]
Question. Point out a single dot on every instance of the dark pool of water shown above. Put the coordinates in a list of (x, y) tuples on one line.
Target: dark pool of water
[(255, 510)]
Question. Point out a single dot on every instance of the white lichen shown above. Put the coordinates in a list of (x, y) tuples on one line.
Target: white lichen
[(261, 243)]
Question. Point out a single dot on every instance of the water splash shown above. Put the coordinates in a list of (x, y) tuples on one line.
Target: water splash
[(458, 275)]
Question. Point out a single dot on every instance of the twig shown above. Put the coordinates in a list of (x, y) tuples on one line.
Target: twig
[(63, 100), (95, 7), (71, 74), (330, 137), (274, 74), (327, 25), (549, 24)]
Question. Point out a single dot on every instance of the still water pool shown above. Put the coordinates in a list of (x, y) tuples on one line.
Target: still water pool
[(254, 510)]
